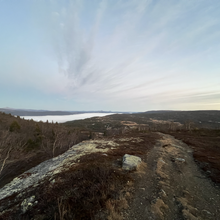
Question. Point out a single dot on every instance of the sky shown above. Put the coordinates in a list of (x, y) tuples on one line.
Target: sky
[(119, 55)]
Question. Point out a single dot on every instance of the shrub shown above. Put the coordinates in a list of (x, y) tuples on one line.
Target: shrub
[(14, 127), (31, 145), (86, 190)]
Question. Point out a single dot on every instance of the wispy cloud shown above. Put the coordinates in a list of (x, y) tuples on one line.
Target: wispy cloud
[(138, 51)]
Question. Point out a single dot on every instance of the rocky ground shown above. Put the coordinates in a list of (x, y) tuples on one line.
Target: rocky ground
[(168, 184), (172, 186)]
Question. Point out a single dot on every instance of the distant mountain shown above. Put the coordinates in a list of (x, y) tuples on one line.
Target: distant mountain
[(31, 112), (156, 111)]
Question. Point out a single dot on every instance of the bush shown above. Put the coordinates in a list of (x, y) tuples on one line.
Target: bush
[(14, 127), (31, 145)]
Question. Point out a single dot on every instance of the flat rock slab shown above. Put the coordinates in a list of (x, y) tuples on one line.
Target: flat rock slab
[(49, 168)]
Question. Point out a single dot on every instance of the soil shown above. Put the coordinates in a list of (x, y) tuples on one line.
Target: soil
[(172, 186)]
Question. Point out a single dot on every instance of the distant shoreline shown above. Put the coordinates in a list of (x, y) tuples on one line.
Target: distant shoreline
[(31, 112), (64, 118)]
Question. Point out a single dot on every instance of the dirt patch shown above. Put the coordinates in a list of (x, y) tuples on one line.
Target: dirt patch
[(129, 123)]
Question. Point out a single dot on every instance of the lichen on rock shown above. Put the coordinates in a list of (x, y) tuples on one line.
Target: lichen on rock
[(27, 203), (130, 162)]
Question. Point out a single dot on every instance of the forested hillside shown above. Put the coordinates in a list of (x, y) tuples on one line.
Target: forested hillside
[(26, 143)]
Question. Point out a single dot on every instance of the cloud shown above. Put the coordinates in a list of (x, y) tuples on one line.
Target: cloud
[(72, 44), (132, 49)]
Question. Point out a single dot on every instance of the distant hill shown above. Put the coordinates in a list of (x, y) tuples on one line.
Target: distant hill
[(31, 112), (201, 119)]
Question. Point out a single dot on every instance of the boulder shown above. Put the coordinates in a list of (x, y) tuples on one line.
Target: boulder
[(130, 162)]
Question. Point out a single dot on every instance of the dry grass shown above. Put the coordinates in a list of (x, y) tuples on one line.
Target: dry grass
[(206, 146), (97, 184), (141, 169), (79, 193), (114, 208)]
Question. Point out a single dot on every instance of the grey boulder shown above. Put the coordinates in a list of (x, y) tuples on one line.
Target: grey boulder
[(130, 162)]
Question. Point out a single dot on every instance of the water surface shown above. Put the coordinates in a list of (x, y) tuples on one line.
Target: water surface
[(65, 118)]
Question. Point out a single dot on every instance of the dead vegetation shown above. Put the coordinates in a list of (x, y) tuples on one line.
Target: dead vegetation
[(97, 187), (206, 149), (84, 191), (24, 144), (88, 191), (94, 188)]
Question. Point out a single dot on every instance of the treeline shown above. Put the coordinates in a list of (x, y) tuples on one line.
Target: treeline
[(26, 143)]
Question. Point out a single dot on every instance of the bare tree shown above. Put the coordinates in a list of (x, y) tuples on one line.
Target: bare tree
[(58, 136), (56, 139), (10, 142), (5, 149)]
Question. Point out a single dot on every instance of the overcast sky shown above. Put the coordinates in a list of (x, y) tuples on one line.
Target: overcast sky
[(125, 55)]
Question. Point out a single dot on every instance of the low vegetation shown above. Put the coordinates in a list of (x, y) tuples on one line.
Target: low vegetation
[(206, 149), (79, 193), (24, 144), (155, 120), (96, 187)]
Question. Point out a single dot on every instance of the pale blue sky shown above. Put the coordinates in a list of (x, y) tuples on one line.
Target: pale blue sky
[(125, 55)]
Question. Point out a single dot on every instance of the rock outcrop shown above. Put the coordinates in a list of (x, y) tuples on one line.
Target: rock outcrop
[(44, 173), (36, 175), (22, 195)]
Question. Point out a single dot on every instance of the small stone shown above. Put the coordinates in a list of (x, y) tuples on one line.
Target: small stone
[(163, 192), (206, 212), (180, 160)]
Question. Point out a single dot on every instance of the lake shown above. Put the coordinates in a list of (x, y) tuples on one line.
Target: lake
[(65, 118)]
